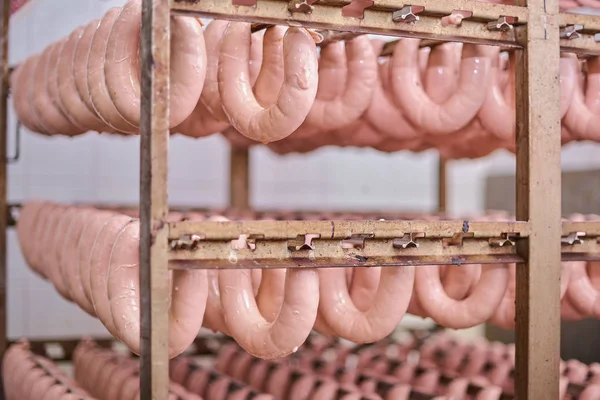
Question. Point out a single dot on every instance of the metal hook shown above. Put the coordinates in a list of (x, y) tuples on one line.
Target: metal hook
[(14, 158), (503, 24), (407, 14), (571, 32)]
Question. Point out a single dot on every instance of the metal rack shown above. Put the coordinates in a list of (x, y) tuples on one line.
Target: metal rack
[(536, 31)]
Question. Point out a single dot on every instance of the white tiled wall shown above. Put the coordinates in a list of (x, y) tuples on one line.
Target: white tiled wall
[(105, 169)]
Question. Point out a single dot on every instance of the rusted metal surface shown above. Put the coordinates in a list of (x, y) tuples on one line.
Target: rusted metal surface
[(376, 20), (538, 192), (154, 276), (239, 178), (483, 23), (301, 244), (284, 230), (331, 253)]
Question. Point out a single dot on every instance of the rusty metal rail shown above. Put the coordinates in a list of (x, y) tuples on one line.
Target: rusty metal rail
[(477, 22)]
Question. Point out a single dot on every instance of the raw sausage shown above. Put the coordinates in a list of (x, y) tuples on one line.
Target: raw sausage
[(251, 330), (349, 322), (295, 96), (188, 298), (122, 68), (456, 112), (96, 78)]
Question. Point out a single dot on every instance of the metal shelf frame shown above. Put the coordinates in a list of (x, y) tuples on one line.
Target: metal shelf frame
[(534, 29)]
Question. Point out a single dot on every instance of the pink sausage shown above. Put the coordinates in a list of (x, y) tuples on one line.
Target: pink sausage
[(456, 112), (272, 71), (54, 257), (389, 306), (45, 239), (293, 324), (497, 114), (504, 316), (358, 92), (92, 229), (580, 120), (68, 94), (26, 227), (458, 281), (51, 118), (80, 59), (383, 114), (569, 74), (69, 267), (295, 96), (188, 296), (96, 77), (489, 393), (41, 386), (98, 270), (457, 314), (122, 69), (20, 82), (271, 293), (51, 79), (581, 292)]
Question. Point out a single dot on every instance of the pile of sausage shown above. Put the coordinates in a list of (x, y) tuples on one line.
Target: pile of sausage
[(27, 376), (440, 369), (90, 80), (108, 375), (275, 87), (92, 257)]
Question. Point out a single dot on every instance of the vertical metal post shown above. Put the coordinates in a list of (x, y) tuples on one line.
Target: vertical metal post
[(239, 178), (538, 201), (442, 182), (155, 58), (3, 180)]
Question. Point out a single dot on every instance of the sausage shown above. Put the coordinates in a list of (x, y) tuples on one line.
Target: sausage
[(457, 314), (51, 79), (91, 230), (580, 120), (271, 293), (458, 110), (122, 69), (458, 281), (390, 304), (569, 70), (96, 78), (582, 294), (295, 96), (80, 74), (98, 271), (272, 71), (45, 236), (27, 226), (188, 296), (489, 393), (504, 316), (69, 267), (294, 321), (383, 114), (41, 386), (20, 82), (68, 94), (51, 118), (361, 62), (497, 114), (55, 246)]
